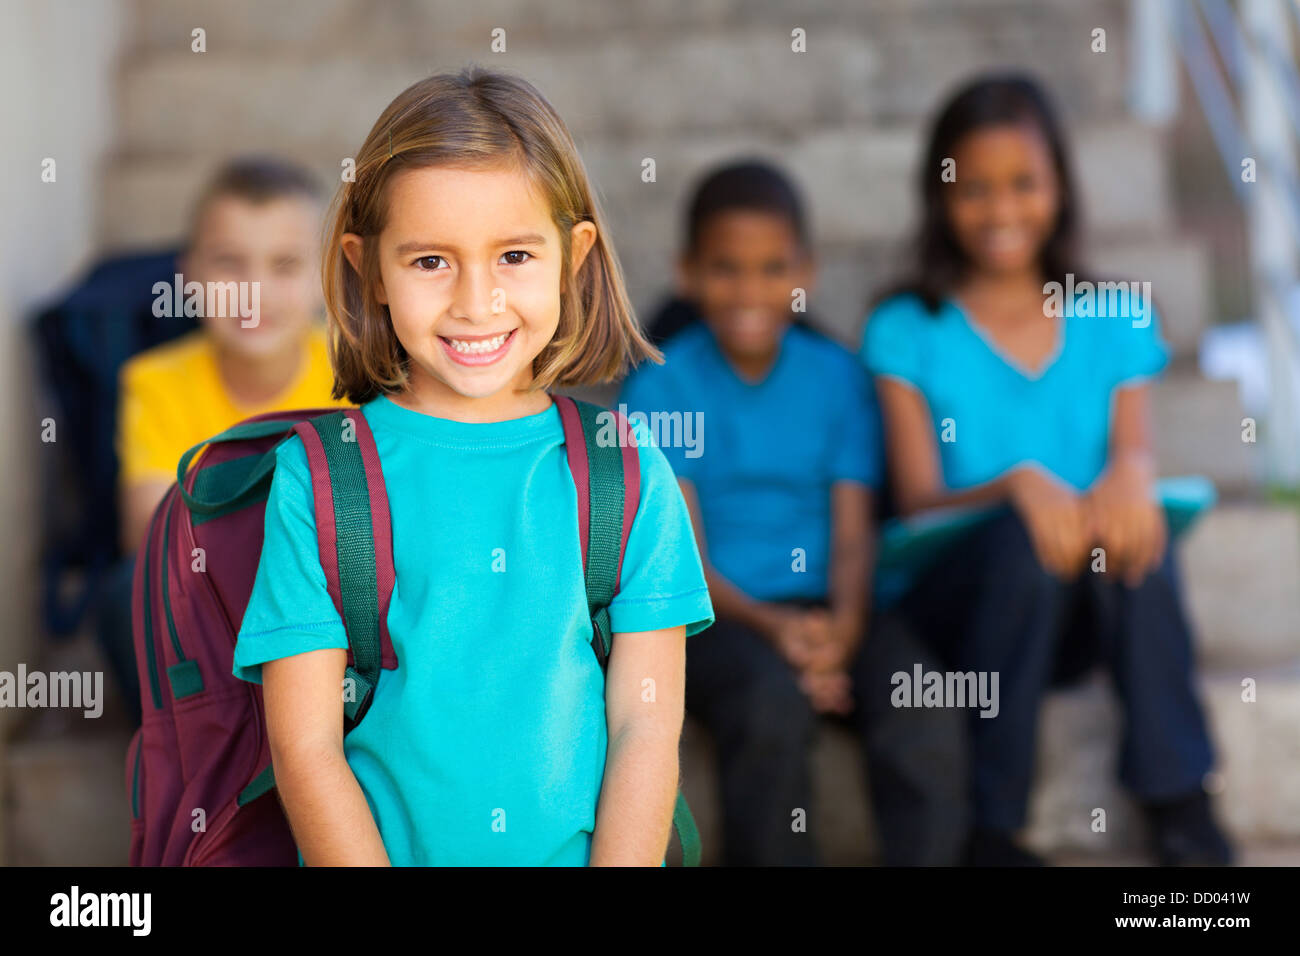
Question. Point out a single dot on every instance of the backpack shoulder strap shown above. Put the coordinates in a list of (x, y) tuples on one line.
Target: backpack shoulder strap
[(602, 455), (354, 531), (603, 458)]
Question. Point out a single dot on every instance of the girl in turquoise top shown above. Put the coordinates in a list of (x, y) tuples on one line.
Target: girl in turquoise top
[(467, 272), (1006, 376)]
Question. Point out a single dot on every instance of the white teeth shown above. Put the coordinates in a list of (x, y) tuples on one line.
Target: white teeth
[(481, 346)]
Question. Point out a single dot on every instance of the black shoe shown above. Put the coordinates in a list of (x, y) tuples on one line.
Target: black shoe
[(997, 848), (1184, 833)]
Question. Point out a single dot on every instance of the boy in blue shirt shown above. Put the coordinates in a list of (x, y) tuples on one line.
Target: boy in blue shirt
[(770, 429)]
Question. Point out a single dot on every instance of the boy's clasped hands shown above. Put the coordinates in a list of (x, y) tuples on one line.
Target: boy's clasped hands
[(1117, 514), (819, 646)]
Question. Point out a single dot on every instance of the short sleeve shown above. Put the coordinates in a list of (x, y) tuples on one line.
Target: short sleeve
[(646, 392), (857, 447), (662, 582), (1136, 344), (144, 450), (290, 610), (890, 343)]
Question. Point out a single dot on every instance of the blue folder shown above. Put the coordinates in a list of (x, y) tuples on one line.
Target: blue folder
[(908, 546)]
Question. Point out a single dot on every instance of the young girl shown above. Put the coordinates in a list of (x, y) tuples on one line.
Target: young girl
[(992, 394), (467, 272)]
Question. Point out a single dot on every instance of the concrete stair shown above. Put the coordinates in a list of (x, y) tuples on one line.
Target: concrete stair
[(1257, 784), (65, 802), (1245, 609), (62, 776)]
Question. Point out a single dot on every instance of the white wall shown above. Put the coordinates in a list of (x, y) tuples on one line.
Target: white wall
[(57, 70)]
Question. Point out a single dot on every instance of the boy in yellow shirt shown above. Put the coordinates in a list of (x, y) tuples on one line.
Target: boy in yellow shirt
[(255, 231), (258, 222)]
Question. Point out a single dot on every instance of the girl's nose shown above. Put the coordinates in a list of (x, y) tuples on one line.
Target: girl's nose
[(474, 295)]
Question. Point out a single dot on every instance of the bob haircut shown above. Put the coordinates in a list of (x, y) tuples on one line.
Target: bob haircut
[(474, 118)]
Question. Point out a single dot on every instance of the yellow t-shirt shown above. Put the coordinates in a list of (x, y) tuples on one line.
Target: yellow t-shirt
[(171, 397)]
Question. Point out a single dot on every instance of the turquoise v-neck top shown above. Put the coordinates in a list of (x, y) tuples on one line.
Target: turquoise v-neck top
[(989, 414)]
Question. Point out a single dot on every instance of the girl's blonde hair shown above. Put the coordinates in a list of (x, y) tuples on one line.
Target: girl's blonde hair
[(475, 117)]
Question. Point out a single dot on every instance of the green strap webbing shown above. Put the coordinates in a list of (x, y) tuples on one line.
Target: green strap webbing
[(355, 545), (226, 481), (150, 649), (605, 482), (605, 523), (263, 782), (355, 702), (255, 478), (688, 834)]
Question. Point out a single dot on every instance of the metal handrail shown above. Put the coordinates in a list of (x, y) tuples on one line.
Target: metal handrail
[(1218, 104), (1191, 21)]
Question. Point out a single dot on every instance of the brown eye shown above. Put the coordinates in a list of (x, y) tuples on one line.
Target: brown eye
[(516, 257), (428, 263)]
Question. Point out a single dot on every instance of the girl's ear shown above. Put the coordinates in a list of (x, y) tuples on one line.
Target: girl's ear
[(352, 249), (582, 238)]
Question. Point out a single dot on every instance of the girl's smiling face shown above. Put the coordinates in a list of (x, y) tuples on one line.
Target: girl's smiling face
[(470, 264), (1004, 204)]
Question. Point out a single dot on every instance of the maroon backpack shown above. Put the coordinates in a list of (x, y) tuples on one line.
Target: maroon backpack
[(198, 771)]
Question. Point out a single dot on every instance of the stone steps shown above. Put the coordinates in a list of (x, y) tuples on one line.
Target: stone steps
[(64, 801), (1196, 427), (858, 182), (1245, 609), (1178, 268), (62, 776), (858, 178), (913, 51), (1259, 769), (248, 25)]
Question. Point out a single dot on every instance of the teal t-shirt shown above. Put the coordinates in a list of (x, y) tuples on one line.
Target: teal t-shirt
[(763, 456), (486, 746), (989, 414)]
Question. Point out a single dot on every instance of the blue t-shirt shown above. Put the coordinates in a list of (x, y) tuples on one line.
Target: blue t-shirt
[(765, 455), (486, 746), (991, 415)]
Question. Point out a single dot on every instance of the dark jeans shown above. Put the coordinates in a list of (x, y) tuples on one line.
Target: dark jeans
[(989, 606), (741, 688)]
